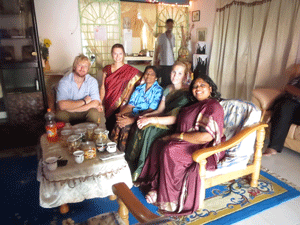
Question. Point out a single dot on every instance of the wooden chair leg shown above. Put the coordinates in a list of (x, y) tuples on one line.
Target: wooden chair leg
[(123, 211), (202, 172), (257, 157)]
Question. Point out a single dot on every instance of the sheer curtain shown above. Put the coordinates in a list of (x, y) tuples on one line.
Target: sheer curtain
[(254, 43)]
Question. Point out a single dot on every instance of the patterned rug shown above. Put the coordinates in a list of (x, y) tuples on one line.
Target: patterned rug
[(236, 200), (225, 204)]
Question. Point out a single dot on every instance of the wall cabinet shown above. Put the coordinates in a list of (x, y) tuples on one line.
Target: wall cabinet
[(23, 99)]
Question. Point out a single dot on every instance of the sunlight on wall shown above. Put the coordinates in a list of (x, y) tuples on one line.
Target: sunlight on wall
[(144, 34)]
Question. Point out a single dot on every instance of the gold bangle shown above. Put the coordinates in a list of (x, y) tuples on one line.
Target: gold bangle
[(181, 136)]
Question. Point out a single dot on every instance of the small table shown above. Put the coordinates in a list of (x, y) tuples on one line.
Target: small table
[(76, 182)]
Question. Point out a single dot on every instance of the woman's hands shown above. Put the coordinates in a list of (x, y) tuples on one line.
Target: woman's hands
[(143, 121), (124, 120)]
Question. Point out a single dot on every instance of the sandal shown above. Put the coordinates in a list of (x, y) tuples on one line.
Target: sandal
[(151, 197)]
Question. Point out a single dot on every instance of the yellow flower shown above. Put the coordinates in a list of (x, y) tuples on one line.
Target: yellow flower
[(47, 43)]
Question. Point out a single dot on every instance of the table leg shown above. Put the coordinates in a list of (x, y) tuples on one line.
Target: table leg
[(123, 211), (63, 209)]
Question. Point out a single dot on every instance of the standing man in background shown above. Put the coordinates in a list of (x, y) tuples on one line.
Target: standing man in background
[(78, 95), (164, 56)]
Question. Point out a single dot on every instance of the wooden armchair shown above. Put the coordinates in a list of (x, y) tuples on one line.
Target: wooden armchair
[(248, 125), (138, 210)]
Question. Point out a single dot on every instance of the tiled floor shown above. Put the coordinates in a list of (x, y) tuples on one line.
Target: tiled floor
[(286, 165)]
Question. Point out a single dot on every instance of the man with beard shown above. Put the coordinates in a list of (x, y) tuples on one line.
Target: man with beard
[(78, 96)]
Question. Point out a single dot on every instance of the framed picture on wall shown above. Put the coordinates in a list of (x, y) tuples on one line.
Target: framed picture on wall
[(196, 16), (201, 34)]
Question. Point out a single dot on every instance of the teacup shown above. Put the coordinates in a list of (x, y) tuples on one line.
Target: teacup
[(111, 147), (51, 163), (79, 156)]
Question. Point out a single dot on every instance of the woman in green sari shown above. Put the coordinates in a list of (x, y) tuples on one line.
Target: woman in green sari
[(158, 123)]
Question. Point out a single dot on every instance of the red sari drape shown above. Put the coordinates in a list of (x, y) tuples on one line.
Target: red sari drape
[(170, 170), (117, 85)]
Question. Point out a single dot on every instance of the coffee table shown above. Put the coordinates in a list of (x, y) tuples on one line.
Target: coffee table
[(75, 182)]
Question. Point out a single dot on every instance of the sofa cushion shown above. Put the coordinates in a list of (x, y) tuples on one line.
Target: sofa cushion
[(239, 114)]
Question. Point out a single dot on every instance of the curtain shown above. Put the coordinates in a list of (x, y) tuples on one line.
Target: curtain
[(254, 44)]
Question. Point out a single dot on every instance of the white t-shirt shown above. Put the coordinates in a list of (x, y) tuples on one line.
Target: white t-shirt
[(166, 49)]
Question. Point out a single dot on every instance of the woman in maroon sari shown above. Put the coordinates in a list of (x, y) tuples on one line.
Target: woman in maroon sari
[(170, 176), (118, 82)]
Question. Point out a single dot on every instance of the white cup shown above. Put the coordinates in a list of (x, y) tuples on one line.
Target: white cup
[(111, 147), (79, 156), (51, 163)]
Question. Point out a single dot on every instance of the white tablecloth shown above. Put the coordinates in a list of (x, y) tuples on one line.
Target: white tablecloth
[(76, 182)]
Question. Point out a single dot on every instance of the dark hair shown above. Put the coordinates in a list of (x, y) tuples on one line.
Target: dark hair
[(214, 93), (117, 46), (170, 21), (153, 68)]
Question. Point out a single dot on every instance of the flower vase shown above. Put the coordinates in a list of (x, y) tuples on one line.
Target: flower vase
[(47, 65)]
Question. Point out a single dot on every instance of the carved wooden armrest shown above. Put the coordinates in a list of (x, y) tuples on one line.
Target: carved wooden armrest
[(138, 210), (202, 154)]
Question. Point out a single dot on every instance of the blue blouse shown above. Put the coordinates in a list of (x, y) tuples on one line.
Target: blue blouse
[(142, 100)]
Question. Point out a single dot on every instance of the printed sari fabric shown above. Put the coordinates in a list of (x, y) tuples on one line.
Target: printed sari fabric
[(170, 170), (142, 139), (117, 86)]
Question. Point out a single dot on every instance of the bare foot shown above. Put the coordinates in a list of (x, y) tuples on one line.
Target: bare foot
[(151, 197), (269, 152)]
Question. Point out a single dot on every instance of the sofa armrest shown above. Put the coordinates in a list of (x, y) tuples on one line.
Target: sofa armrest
[(203, 154), (264, 97)]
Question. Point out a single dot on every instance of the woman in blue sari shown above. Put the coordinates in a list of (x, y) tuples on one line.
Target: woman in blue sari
[(145, 98)]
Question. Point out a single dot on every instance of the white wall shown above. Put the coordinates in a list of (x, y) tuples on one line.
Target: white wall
[(207, 15), (58, 20)]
